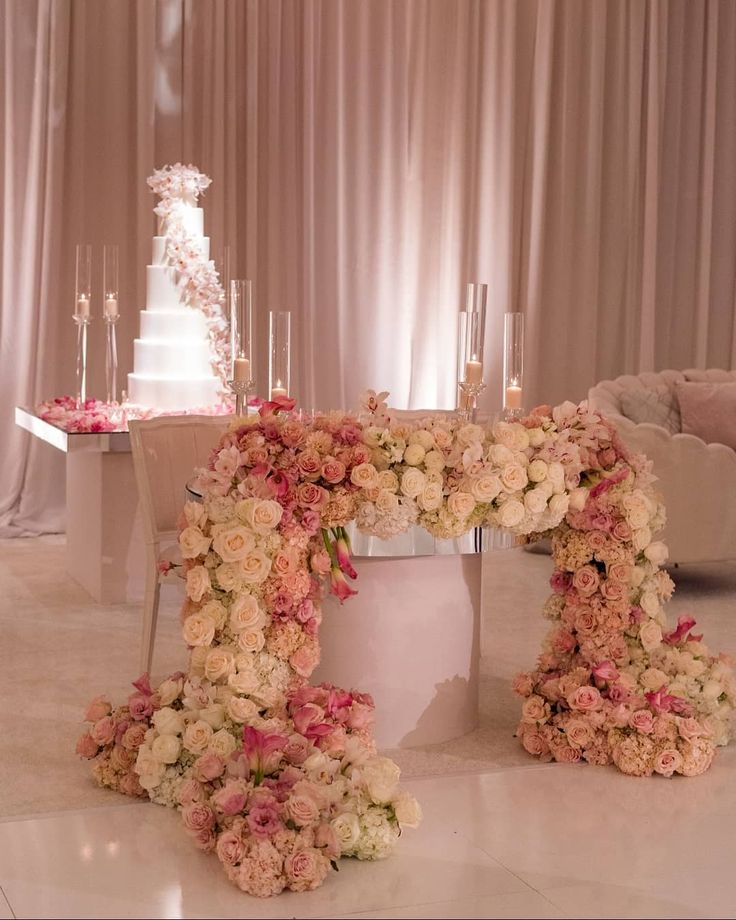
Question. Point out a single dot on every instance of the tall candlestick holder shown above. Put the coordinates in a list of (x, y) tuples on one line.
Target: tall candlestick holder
[(111, 315), (471, 338), (279, 356), (82, 316), (241, 329), (513, 365)]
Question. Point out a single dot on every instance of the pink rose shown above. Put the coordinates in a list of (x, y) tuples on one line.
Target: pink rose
[(205, 839), (612, 590), (563, 753), (190, 792), (103, 731), (560, 581), (134, 736), (668, 761), (230, 848), (140, 707), (311, 496), (197, 817), (306, 869), (360, 716), (264, 818), (618, 693), (579, 733), (535, 743), (522, 684), (309, 463), (97, 709), (296, 749), (130, 785), (87, 746), (535, 710), (563, 642), (208, 767), (621, 531), (596, 540), (620, 572), (586, 580), (605, 670), (230, 799), (642, 720), (305, 659), (585, 699), (326, 838), (585, 622), (690, 728), (333, 471)]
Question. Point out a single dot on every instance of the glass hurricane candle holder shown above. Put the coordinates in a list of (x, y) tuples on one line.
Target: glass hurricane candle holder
[(82, 317), (513, 364), (471, 338), (279, 354), (111, 315), (241, 325)]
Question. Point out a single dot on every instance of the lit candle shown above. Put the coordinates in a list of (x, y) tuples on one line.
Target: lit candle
[(82, 305), (111, 305), (513, 397), (473, 372), (277, 390), (242, 369)]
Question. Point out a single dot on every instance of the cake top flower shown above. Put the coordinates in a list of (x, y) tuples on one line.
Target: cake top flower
[(178, 181)]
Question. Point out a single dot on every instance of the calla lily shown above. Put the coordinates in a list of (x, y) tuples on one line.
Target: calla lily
[(338, 586)]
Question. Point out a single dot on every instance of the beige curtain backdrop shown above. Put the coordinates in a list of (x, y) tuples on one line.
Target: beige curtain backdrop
[(369, 157)]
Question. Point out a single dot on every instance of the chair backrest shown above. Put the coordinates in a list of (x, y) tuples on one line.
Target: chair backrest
[(166, 452)]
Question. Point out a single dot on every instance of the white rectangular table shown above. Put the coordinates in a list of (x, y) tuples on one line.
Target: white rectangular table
[(104, 537)]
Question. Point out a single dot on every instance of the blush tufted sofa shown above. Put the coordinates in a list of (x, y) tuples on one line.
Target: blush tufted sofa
[(696, 479)]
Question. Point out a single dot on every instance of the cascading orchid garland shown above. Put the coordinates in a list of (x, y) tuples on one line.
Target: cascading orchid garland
[(179, 187), (280, 778)]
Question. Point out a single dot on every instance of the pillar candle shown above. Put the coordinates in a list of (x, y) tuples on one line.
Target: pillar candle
[(111, 306), (473, 372), (242, 369), (277, 391), (513, 397), (82, 305)]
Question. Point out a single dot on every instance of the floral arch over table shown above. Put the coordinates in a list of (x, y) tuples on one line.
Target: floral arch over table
[(281, 778)]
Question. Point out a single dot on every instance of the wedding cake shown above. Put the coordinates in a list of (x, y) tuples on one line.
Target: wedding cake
[(177, 359)]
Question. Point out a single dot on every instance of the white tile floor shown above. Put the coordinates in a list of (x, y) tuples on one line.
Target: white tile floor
[(503, 836), (539, 841)]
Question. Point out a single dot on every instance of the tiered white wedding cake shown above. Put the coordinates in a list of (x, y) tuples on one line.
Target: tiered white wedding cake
[(175, 358)]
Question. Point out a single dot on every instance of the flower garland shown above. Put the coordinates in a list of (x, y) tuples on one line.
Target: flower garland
[(179, 187), (280, 778), (99, 416)]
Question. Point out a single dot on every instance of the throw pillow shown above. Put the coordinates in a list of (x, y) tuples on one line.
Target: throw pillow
[(708, 411), (656, 405)]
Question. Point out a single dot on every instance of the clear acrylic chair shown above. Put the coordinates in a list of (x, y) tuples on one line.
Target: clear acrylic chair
[(166, 452)]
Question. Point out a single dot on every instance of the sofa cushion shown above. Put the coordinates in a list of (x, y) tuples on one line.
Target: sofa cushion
[(708, 411), (656, 405)]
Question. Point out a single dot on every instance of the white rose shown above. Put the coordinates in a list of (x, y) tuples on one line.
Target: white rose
[(535, 500), (198, 582), (213, 715), (423, 437), (227, 576), (656, 552), (150, 770), (193, 543), (650, 635), (637, 576), (347, 830), (245, 613), (641, 538), (266, 515), (197, 736), (636, 508), (245, 681), (195, 514), (223, 743), (365, 476), (412, 482), (414, 454), (166, 748), (500, 455), (216, 612), (511, 513), (387, 502), (649, 603), (503, 434), (434, 460), (407, 810), (198, 630), (537, 436), (468, 434), (168, 721), (431, 497), (388, 480), (251, 640), (559, 504), (381, 777), (241, 709), (712, 689), (556, 475), (521, 437), (461, 504), (219, 664), (169, 690), (653, 679), (693, 667), (485, 487), (514, 477), (537, 470), (233, 543), (255, 567)]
